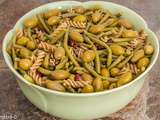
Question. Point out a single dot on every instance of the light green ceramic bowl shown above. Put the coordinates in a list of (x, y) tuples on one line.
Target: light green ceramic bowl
[(83, 106)]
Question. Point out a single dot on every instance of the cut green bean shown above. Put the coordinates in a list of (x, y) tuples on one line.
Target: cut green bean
[(62, 63), (43, 23), (14, 58), (67, 50), (69, 15), (123, 43), (93, 37), (94, 73), (80, 69), (44, 71), (102, 52), (86, 45), (28, 78), (46, 61), (109, 22), (21, 71), (117, 61), (97, 60), (54, 39), (122, 39), (29, 34), (103, 59), (106, 16), (88, 26), (120, 65), (108, 29)]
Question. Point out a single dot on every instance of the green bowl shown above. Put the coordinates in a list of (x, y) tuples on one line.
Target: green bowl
[(82, 106)]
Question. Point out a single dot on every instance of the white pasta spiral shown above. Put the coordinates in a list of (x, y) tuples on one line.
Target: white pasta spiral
[(46, 47), (36, 77), (38, 61), (76, 24), (74, 84)]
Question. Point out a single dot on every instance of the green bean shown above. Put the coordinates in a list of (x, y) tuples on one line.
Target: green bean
[(46, 61), (88, 26), (54, 39), (79, 69), (117, 61), (87, 40), (114, 24), (110, 79), (9, 48), (94, 73), (88, 13), (85, 45), (66, 65), (29, 33), (21, 71), (77, 30), (43, 23), (18, 46), (74, 56), (70, 68), (44, 71), (103, 59), (69, 15), (14, 58), (139, 46), (109, 22), (120, 32), (70, 89), (67, 50), (28, 78), (106, 16), (97, 60), (108, 29), (122, 39), (11, 44), (120, 65), (62, 63), (94, 39), (102, 52), (123, 43)]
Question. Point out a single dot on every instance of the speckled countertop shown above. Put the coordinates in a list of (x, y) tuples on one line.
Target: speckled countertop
[(13, 102)]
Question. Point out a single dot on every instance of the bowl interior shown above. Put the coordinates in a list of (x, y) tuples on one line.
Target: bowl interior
[(134, 18)]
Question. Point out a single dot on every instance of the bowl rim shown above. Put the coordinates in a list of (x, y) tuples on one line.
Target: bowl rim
[(81, 94)]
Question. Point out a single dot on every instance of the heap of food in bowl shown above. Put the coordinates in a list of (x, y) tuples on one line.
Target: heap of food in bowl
[(79, 50)]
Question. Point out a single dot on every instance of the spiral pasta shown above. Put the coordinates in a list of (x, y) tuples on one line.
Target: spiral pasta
[(74, 84), (19, 33), (36, 77), (76, 24), (38, 61), (46, 47)]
